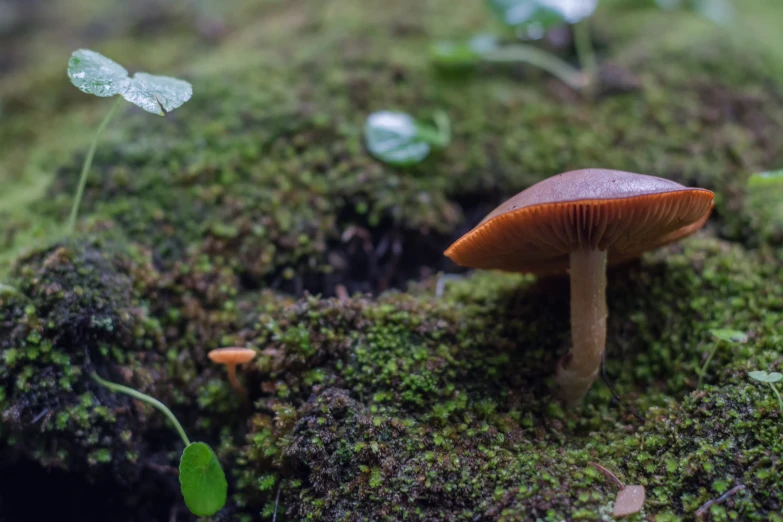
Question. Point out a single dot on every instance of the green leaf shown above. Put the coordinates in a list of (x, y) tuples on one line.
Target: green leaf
[(153, 92), (202, 480), (95, 74), (730, 336), (398, 139), (536, 16), (718, 11), (765, 179), (8, 289), (463, 54), (763, 376)]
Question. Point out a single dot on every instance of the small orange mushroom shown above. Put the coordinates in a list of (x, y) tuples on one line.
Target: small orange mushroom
[(231, 357), (579, 221)]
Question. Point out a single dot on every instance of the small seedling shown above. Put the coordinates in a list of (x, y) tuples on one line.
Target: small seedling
[(202, 481), (723, 336), (531, 18), (771, 379), (718, 11), (95, 74), (398, 139)]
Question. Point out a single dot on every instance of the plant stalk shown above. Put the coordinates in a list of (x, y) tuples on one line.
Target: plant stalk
[(578, 369), (86, 167), (541, 59), (586, 54), (145, 398), (706, 364), (777, 393)]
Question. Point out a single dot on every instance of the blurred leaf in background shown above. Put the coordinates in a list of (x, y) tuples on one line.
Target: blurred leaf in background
[(719, 11), (532, 18), (398, 139)]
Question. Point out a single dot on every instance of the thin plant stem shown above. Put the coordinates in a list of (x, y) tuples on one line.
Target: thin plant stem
[(608, 474), (145, 398), (440, 135), (707, 363), (86, 167), (541, 59), (586, 53), (443, 124), (777, 393)]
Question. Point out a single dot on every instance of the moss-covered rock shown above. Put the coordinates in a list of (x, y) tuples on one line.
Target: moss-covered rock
[(421, 409)]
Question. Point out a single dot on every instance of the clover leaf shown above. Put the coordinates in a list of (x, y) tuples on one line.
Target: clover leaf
[(202, 480), (770, 378), (730, 336), (536, 16), (398, 139), (725, 335), (718, 11), (95, 74), (763, 376)]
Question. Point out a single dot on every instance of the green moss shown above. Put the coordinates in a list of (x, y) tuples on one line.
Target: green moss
[(270, 173), (439, 409)]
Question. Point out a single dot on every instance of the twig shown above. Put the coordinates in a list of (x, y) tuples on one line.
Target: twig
[(277, 502), (608, 474), (733, 491), (162, 469), (40, 416)]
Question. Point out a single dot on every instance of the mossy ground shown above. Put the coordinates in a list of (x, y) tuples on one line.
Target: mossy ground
[(205, 229)]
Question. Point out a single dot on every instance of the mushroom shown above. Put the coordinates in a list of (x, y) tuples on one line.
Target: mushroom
[(581, 221), (231, 357)]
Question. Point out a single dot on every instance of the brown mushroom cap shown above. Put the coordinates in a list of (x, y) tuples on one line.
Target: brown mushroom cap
[(624, 213), (231, 355)]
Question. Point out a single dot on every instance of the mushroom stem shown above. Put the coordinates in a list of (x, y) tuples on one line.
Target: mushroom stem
[(579, 368), (232, 378)]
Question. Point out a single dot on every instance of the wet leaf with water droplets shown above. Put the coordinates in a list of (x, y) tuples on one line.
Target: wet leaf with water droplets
[(95, 74), (393, 138), (153, 92)]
